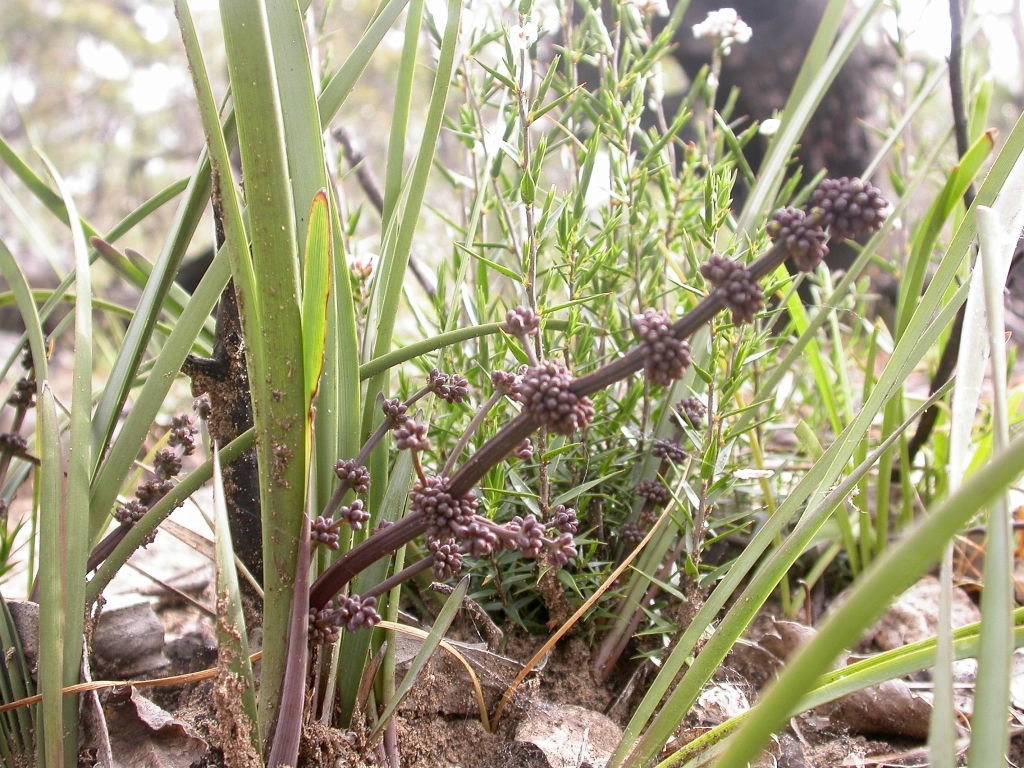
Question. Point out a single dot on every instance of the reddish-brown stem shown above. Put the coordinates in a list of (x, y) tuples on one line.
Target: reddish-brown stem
[(513, 433)]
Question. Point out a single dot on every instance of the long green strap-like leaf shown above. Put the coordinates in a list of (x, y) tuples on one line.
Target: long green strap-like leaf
[(316, 291), (76, 551), (990, 728), (26, 305), (896, 570), (278, 379), (52, 579)]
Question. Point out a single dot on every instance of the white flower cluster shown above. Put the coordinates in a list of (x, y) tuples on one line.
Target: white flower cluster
[(725, 27), (651, 7)]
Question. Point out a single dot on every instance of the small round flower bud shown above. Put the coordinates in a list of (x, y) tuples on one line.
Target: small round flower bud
[(524, 450), (411, 436), (692, 410), (665, 356), (322, 531), (521, 322), (669, 449), (733, 282), (849, 207), (354, 515), (323, 626), (565, 519), (203, 407), (804, 244), (355, 476), (653, 491), (648, 518), (545, 395)]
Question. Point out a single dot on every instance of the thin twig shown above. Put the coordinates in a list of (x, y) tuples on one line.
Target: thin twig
[(371, 188), (950, 353)]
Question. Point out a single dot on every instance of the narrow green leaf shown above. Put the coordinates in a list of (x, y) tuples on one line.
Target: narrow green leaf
[(79, 466), (319, 258), (437, 632), (896, 570), (52, 582), (26, 305)]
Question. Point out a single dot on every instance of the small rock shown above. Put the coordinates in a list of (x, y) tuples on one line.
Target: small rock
[(915, 615), (129, 641), (569, 735), (720, 702)]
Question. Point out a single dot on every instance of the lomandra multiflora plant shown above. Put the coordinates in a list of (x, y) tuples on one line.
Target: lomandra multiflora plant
[(544, 450)]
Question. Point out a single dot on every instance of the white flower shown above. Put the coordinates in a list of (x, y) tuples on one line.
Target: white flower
[(651, 7), (725, 27), (752, 474), (522, 37), (769, 127)]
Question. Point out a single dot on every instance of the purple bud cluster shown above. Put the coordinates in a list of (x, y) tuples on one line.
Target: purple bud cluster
[(13, 444), (849, 207), (630, 534), (355, 476), (480, 538), (528, 536), (129, 513), (654, 491), (24, 394), (805, 242), (446, 516), (183, 435), (411, 436), (354, 515), (692, 411), (394, 411), (665, 356), (737, 287), (352, 613), (151, 491), (324, 531), (452, 389), (669, 449), (166, 466), (506, 383), (565, 520), (447, 559), (546, 396), (521, 322)]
